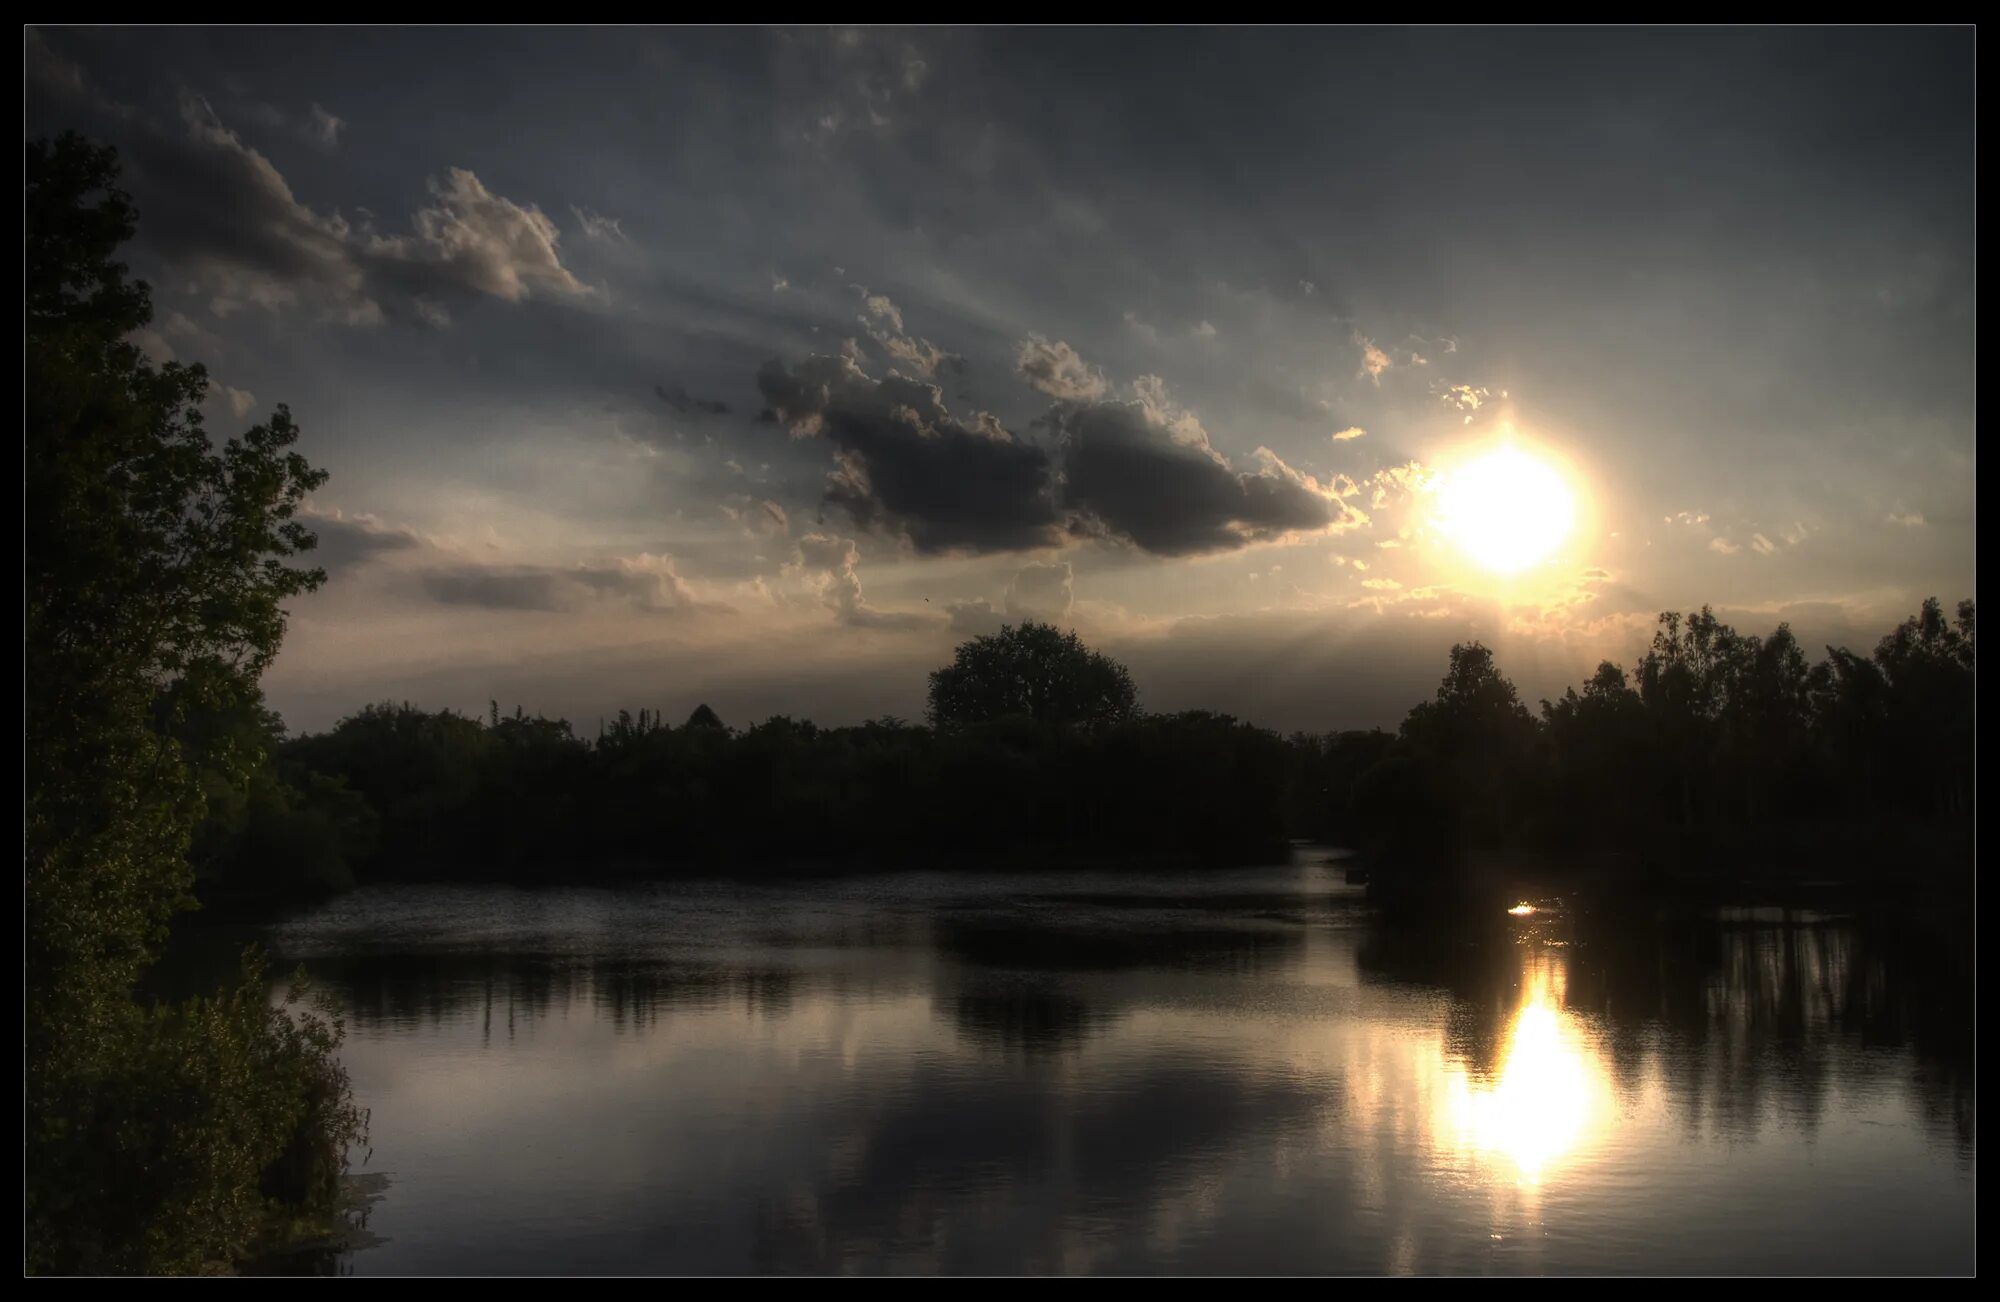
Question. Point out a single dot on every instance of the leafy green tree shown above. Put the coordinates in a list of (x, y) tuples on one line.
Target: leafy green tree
[(157, 565), (1035, 671)]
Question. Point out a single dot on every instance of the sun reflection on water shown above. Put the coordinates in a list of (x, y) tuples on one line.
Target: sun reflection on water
[(1549, 1091)]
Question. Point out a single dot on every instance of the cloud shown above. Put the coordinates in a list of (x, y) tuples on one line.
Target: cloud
[(239, 401), (1724, 546), (484, 241), (882, 309), (597, 226), (857, 80), (906, 466), (1466, 397), (1043, 592), (758, 517), (1761, 545), (1140, 471), (1145, 473), (883, 321), (1912, 520), (218, 210), (977, 618), (644, 582), (830, 560), (1057, 370), (1205, 331), (159, 352), (1350, 433), (50, 69), (1373, 360), (221, 214), (324, 127), (348, 541), (1400, 483), (493, 589)]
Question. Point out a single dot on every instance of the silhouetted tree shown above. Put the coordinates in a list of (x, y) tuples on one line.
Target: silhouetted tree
[(1035, 671), (1603, 763), (1476, 739), (1927, 663)]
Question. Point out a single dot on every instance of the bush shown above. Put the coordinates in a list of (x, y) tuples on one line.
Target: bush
[(179, 1139)]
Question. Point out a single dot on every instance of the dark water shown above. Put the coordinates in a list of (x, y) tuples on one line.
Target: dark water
[(1240, 1072)]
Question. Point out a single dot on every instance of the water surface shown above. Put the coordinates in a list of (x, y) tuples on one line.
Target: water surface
[(1206, 1073)]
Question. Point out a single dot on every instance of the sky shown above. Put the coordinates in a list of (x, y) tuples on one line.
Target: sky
[(761, 367)]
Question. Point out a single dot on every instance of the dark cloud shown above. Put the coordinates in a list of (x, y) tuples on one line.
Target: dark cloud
[(223, 218), (493, 589), (645, 583), (908, 467), (1131, 473), (1137, 471), (345, 543)]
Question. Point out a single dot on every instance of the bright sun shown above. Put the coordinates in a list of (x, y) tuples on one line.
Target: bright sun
[(1505, 510)]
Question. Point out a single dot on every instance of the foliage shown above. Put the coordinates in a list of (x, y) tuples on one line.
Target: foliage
[(156, 572), (1720, 731), (1714, 731), (1035, 671), (523, 799), (178, 1153)]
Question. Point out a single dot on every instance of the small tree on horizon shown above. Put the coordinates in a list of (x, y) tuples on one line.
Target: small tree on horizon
[(1034, 671)]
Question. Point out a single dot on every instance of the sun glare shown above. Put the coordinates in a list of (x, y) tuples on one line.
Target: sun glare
[(1506, 509), (1549, 1090)]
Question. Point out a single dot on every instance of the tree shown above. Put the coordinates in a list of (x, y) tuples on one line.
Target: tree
[(157, 566), (1475, 738), (1035, 671), (1685, 680), (1927, 663), (1599, 745)]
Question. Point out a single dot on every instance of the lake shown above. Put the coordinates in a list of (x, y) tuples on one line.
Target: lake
[(1235, 1072)]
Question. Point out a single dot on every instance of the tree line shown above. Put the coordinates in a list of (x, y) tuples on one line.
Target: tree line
[(1714, 737), (1035, 750)]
